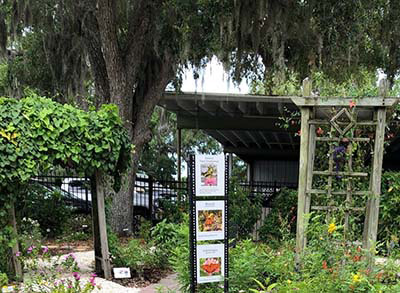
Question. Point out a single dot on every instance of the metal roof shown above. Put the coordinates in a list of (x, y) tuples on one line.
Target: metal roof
[(247, 125)]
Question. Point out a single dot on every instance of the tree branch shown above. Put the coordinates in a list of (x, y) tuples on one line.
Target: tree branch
[(106, 10), (138, 38)]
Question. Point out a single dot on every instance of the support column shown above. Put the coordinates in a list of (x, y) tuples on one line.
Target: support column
[(15, 248), (102, 255), (372, 216), (303, 164)]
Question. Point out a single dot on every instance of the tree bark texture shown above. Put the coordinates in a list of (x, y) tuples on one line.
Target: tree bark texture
[(132, 76)]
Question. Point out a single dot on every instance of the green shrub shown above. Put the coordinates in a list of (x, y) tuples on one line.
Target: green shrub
[(389, 214), (45, 206), (280, 223), (3, 279), (244, 210)]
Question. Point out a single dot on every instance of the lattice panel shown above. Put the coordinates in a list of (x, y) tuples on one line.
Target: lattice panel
[(335, 179)]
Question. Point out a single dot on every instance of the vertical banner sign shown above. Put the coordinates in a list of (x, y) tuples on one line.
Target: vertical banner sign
[(208, 187)]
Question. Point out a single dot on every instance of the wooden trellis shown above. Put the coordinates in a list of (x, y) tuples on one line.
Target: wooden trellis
[(343, 117)]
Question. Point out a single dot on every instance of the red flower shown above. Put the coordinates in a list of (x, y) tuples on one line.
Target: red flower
[(320, 131), (352, 104), (324, 265)]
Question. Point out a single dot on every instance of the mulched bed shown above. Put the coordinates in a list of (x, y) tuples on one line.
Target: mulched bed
[(150, 277), (58, 248)]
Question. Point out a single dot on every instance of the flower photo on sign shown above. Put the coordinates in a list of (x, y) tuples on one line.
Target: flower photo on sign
[(210, 266), (209, 174), (210, 220)]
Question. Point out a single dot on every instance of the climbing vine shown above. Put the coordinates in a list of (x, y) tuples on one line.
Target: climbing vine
[(37, 133)]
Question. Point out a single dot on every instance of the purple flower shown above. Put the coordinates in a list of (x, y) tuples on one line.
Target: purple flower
[(71, 255), (91, 280), (45, 249), (31, 248), (76, 276), (18, 253)]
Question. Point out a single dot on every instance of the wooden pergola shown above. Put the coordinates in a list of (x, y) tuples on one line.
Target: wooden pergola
[(343, 116)]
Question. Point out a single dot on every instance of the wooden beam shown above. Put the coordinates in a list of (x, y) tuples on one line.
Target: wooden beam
[(233, 143), (345, 101), (209, 107), (254, 140), (260, 108), (239, 138), (228, 108), (242, 107), (265, 139), (187, 106), (277, 140), (231, 123), (334, 173), (264, 153)]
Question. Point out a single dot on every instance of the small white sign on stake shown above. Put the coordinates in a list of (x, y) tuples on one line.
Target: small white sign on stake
[(122, 273)]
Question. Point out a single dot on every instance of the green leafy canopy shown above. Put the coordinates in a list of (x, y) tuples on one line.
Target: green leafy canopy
[(37, 133)]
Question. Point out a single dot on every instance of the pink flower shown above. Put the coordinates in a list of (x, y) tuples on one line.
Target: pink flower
[(76, 276), (18, 253), (352, 104), (91, 280), (45, 249), (210, 181), (71, 255), (31, 248)]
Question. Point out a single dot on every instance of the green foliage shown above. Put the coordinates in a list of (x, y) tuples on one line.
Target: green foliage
[(389, 213), (330, 264), (37, 133), (159, 157), (45, 206), (280, 224), (244, 210), (143, 255), (3, 279), (362, 84)]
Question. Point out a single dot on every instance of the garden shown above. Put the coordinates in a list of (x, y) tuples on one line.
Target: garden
[(82, 88)]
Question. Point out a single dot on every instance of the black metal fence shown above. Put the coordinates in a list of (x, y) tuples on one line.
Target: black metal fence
[(149, 194), (74, 189), (265, 190)]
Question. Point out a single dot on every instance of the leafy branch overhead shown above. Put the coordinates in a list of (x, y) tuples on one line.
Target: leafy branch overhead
[(37, 133)]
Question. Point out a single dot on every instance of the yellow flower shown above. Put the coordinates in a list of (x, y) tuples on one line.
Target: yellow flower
[(289, 281), (356, 278), (332, 228)]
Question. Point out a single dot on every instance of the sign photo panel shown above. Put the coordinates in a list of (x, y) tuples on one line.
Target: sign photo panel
[(210, 175), (210, 219)]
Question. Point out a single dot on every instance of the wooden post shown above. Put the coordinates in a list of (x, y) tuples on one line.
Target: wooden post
[(15, 248), (372, 215), (304, 147), (102, 258)]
